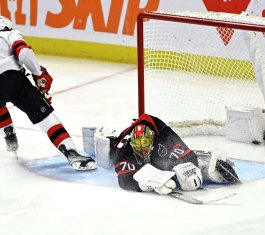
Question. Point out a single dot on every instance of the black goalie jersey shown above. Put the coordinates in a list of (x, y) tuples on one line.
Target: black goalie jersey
[(169, 150)]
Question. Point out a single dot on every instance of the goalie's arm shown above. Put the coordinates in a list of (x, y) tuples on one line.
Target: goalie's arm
[(125, 171)]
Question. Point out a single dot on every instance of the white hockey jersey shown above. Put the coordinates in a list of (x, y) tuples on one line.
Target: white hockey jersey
[(12, 57), (7, 58)]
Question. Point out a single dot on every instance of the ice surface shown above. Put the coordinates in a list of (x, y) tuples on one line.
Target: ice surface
[(87, 94)]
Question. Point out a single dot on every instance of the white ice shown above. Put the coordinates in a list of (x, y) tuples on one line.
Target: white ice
[(89, 93)]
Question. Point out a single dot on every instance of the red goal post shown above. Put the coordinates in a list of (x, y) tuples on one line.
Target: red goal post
[(153, 57)]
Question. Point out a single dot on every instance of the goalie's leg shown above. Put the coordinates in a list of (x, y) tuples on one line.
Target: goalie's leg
[(216, 167), (227, 171)]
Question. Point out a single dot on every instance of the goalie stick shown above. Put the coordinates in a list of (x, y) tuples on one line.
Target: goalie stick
[(192, 200)]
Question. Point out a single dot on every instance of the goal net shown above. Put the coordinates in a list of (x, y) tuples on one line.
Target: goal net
[(192, 66)]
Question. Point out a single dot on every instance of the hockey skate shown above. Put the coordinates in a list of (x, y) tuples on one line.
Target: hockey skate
[(11, 139), (77, 161)]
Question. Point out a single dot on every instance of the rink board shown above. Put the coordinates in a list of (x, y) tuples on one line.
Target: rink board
[(57, 168)]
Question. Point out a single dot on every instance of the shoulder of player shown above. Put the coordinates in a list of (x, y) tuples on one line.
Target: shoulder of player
[(14, 35), (11, 32)]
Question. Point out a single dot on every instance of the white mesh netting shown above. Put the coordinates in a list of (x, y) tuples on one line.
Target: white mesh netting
[(192, 72)]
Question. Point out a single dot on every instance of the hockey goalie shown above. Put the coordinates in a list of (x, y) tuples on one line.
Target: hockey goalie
[(150, 156)]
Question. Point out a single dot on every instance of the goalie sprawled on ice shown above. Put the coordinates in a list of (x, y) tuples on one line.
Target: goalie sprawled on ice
[(150, 156)]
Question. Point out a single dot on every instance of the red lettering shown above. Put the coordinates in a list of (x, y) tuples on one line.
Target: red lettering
[(94, 8), (114, 16), (33, 12), (4, 9), (20, 17), (132, 12), (85, 8), (65, 17)]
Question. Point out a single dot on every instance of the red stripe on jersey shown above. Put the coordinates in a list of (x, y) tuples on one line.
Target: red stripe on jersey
[(175, 147), (185, 153), (18, 46), (125, 172)]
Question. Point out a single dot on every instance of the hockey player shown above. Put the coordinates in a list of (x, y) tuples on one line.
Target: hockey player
[(15, 87), (149, 156)]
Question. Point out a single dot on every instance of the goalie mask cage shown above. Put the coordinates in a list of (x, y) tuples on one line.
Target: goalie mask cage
[(192, 65)]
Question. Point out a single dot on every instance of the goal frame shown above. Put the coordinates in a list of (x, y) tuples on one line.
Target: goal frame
[(143, 16)]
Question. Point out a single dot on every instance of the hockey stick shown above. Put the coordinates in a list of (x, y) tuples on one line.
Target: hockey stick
[(193, 200)]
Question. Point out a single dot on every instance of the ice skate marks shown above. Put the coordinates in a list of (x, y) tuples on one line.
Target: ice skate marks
[(57, 167)]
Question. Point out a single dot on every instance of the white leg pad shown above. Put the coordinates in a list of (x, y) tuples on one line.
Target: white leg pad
[(102, 147)]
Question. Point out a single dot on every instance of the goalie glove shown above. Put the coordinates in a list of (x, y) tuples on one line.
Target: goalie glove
[(43, 81), (189, 176), (145, 188), (166, 188), (150, 178)]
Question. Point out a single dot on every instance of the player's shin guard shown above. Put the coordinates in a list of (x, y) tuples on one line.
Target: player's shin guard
[(56, 131), (7, 130), (61, 140)]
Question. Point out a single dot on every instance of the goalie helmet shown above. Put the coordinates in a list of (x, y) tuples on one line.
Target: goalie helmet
[(5, 24), (142, 139)]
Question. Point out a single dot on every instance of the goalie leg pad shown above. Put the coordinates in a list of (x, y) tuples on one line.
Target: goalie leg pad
[(227, 171), (218, 168), (102, 139)]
